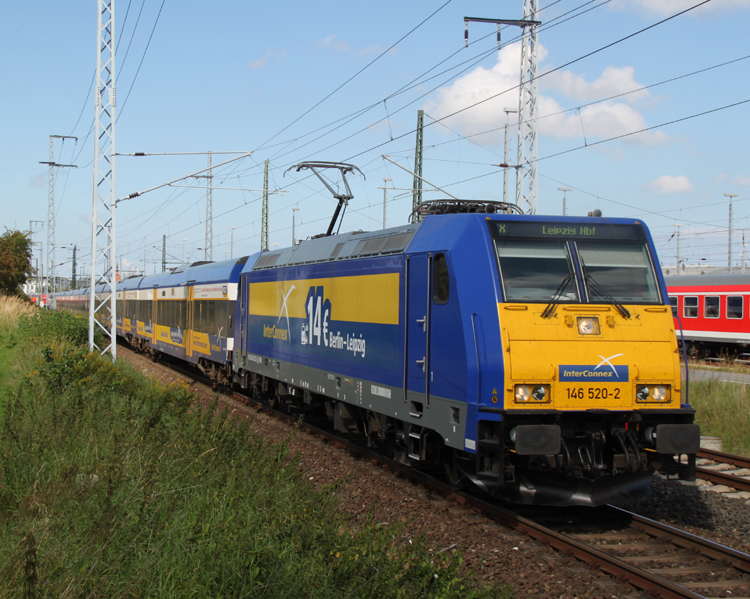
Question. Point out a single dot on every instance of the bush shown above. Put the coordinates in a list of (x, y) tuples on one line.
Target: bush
[(42, 326)]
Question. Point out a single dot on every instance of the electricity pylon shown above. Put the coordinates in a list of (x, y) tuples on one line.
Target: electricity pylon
[(102, 294)]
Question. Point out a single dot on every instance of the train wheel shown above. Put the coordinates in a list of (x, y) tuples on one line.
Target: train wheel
[(457, 479)]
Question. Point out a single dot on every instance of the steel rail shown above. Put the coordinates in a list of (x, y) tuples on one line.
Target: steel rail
[(724, 458), (723, 477), (710, 549)]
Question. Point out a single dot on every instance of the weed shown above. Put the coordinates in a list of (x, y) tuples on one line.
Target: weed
[(723, 410)]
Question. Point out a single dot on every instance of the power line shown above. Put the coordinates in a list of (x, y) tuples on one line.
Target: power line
[(140, 64), (687, 118), (466, 64), (367, 66), (609, 45)]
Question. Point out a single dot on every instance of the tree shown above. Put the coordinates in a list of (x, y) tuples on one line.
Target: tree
[(15, 261)]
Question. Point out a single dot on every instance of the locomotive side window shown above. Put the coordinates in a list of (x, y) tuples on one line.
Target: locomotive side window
[(441, 284), (690, 307), (734, 306), (537, 271), (711, 306), (673, 303)]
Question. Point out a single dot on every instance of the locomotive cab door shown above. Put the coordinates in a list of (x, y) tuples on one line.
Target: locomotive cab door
[(417, 358)]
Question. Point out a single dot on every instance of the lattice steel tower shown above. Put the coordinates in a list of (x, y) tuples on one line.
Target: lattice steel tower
[(264, 219), (526, 189), (50, 289), (102, 302), (417, 186), (209, 210)]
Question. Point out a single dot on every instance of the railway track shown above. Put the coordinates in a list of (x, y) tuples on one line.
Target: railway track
[(725, 469), (656, 558), (652, 556)]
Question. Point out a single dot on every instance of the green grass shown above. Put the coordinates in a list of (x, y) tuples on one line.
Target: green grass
[(723, 410), (111, 486), (11, 310)]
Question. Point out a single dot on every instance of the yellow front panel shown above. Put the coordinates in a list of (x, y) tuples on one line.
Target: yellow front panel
[(602, 369), (368, 298)]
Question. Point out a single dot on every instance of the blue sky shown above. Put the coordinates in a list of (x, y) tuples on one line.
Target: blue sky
[(278, 79)]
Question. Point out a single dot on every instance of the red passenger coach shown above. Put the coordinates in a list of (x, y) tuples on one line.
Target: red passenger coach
[(714, 311)]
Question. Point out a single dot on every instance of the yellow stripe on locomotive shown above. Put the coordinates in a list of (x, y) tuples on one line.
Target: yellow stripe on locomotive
[(367, 298)]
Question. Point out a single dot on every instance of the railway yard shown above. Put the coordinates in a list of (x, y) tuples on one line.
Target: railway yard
[(524, 374), (541, 552)]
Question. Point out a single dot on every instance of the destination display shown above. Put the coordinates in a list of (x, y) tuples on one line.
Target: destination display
[(564, 230)]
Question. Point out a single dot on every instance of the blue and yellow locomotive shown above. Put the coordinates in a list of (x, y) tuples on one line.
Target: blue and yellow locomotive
[(532, 356)]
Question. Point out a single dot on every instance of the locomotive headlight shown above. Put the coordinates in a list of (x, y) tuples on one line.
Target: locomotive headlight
[(539, 393), (655, 394), (523, 393), (588, 326)]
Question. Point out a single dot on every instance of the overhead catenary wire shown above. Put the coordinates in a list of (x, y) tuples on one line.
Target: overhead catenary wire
[(569, 63), (488, 36), (368, 65)]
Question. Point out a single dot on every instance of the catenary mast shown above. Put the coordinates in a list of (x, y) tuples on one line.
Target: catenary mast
[(102, 295), (526, 188)]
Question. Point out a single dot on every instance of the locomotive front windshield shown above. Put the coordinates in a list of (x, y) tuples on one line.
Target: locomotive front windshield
[(537, 271), (617, 270), (580, 264)]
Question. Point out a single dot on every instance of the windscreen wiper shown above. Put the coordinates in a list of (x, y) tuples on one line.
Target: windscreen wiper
[(596, 287), (549, 310)]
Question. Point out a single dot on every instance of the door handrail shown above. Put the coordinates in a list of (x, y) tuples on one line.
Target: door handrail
[(476, 351)]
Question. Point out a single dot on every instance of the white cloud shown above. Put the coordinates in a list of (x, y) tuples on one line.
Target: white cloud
[(664, 8), (612, 82), (272, 54), (37, 181), (599, 121), (331, 42), (667, 184), (739, 180)]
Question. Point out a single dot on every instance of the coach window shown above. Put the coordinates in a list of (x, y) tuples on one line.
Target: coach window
[(711, 306), (441, 284), (734, 306), (221, 318), (690, 307), (197, 316), (211, 317), (673, 303)]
